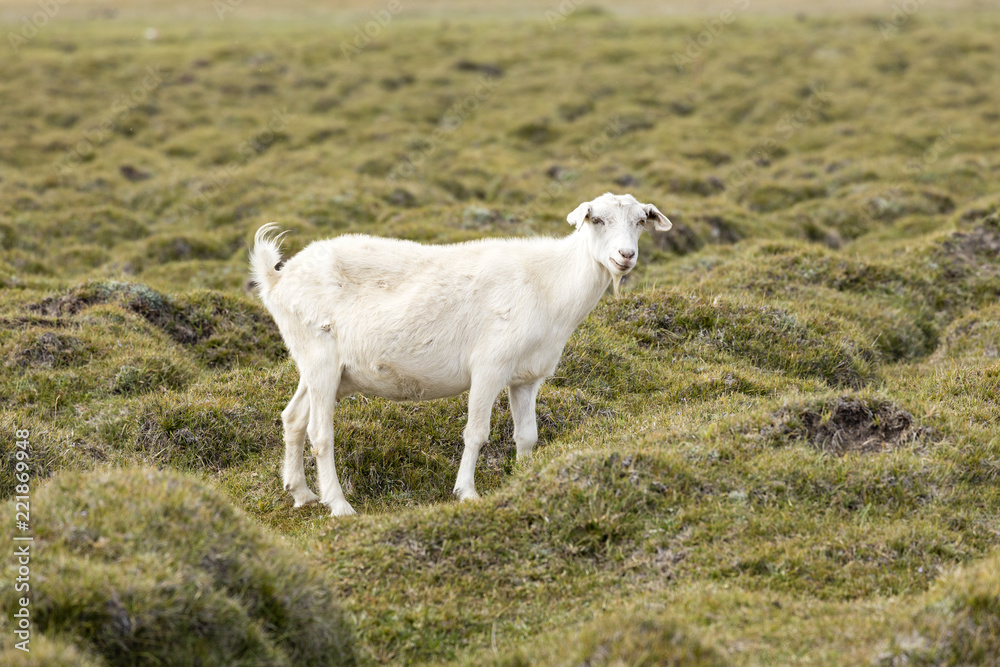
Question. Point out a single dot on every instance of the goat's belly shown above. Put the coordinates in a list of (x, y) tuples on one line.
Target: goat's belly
[(395, 384)]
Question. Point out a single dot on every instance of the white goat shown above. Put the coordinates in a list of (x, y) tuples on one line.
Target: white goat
[(412, 322)]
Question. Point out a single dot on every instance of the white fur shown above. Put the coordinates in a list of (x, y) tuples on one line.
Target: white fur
[(412, 322)]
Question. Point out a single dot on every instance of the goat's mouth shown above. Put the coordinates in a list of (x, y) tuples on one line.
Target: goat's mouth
[(624, 268)]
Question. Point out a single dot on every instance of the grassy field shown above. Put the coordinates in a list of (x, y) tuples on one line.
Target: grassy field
[(780, 445)]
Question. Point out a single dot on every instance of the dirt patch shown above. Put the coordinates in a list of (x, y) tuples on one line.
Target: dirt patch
[(55, 306), (51, 350), (974, 250), (847, 425), (29, 321)]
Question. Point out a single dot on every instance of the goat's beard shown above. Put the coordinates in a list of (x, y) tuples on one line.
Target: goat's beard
[(616, 281)]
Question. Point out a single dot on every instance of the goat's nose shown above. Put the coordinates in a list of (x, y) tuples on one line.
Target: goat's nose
[(627, 254)]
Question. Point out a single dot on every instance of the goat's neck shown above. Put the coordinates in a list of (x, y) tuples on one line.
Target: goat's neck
[(578, 282)]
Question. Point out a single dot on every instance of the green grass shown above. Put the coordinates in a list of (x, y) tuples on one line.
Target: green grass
[(779, 445), (145, 563)]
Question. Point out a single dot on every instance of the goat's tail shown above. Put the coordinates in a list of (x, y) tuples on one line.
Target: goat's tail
[(265, 258)]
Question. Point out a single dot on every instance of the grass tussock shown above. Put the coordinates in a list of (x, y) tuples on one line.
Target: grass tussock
[(629, 639), (221, 328), (174, 573), (763, 336), (960, 624)]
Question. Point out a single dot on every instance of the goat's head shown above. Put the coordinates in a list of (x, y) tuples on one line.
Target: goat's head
[(613, 224)]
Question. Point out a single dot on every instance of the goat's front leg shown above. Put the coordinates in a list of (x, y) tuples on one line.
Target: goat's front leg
[(482, 395), (522, 408), (322, 400), (295, 418)]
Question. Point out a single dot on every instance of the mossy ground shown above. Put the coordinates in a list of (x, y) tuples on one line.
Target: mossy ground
[(780, 445)]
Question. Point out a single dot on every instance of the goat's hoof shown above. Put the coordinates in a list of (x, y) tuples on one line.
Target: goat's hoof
[(306, 497), (466, 494), (341, 508)]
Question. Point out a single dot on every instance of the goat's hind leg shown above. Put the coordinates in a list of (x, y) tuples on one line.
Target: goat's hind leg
[(322, 401), (295, 418), (522, 407)]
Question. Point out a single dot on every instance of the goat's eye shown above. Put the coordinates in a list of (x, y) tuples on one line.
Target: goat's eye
[(597, 221)]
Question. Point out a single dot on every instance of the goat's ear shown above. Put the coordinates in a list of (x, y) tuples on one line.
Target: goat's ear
[(579, 215), (658, 220)]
